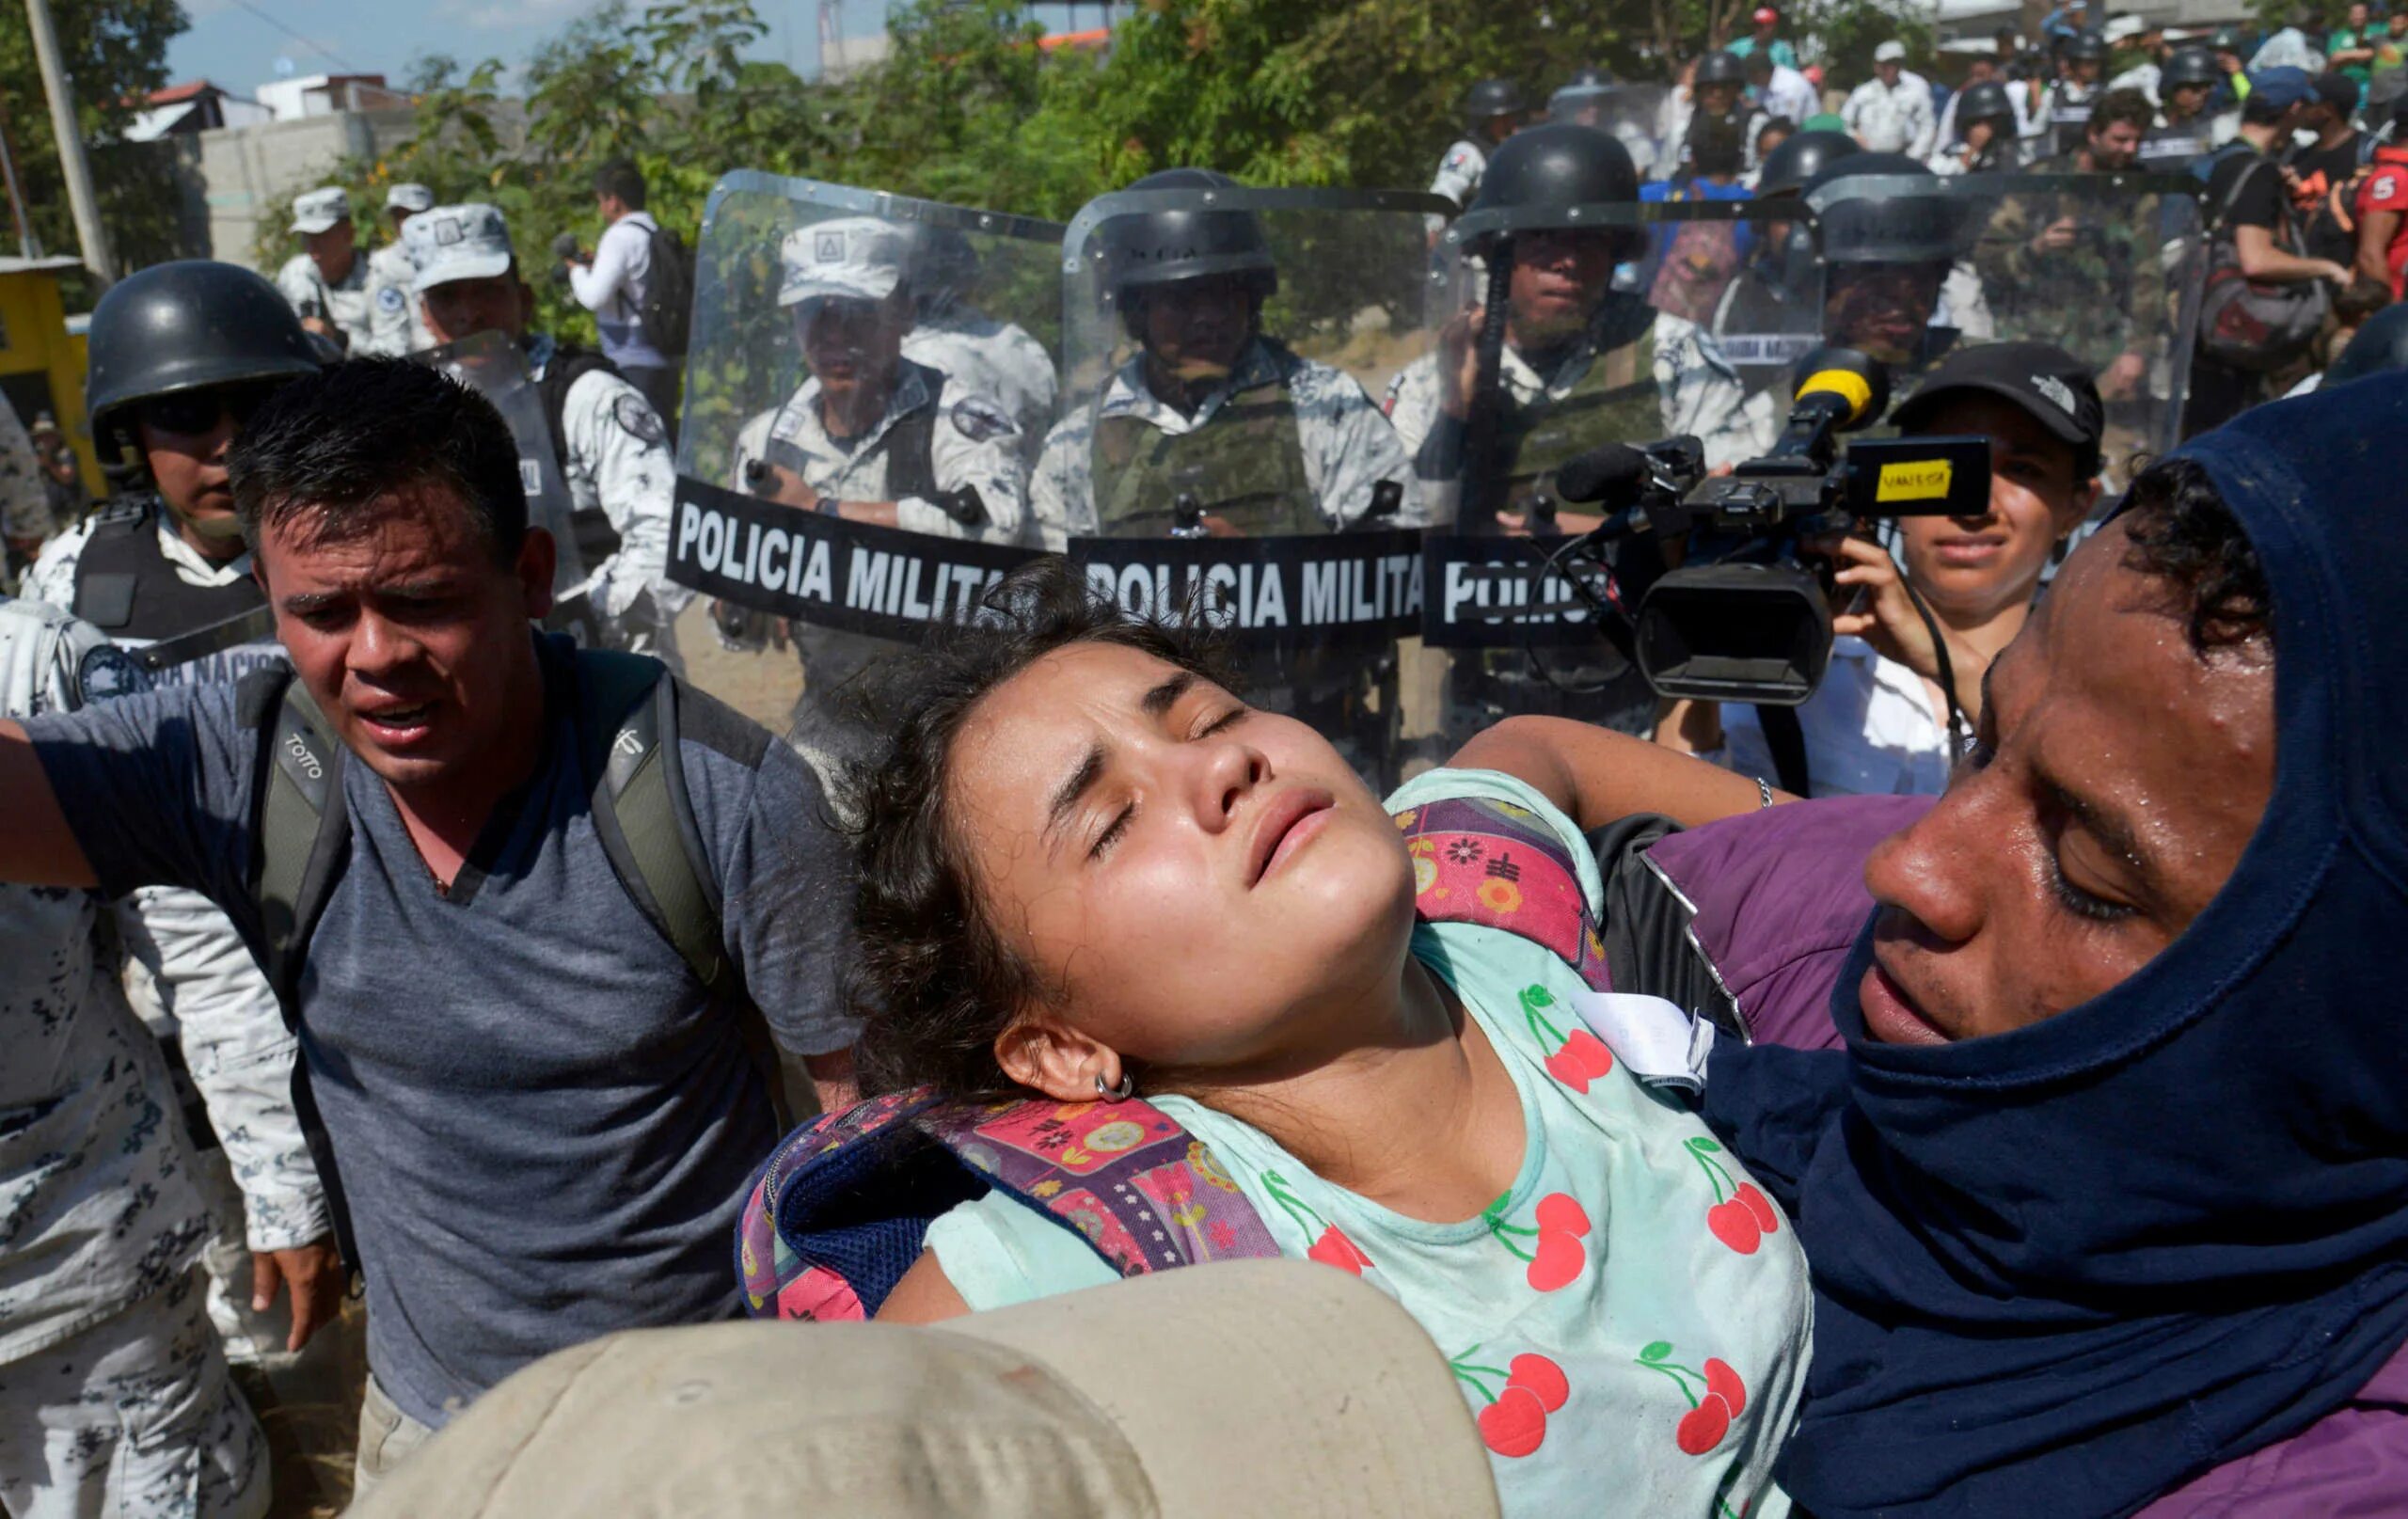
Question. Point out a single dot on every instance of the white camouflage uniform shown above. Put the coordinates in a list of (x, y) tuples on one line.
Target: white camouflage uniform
[(1697, 390), (982, 356), (620, 465), (1348, 446), (190, 976), (399, 326), (24, 491), (1459, 172), (350, 304), (114, 1392), (1893, 118), (2141, 76)]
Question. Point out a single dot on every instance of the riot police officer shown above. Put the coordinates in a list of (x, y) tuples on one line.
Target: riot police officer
[(399, 325), (982, 355), (1212, 407), (611, 447), (2185, 85), (328, 282), (1888, 251), (180, 355), (2065, 111), (1719, 92), (1493, 111), (1770, 316), (1986, 132)]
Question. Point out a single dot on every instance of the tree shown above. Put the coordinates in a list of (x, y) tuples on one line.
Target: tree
[(114, 54)]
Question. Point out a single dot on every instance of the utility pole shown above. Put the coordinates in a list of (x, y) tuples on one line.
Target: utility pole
[(78, 170), (28, 243)]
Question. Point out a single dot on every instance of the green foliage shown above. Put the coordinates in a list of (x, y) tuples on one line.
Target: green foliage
[(115, 53)]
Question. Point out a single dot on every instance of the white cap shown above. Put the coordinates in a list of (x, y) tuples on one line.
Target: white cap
[(1239, 1387), (409, 198), (855, 258), (448, 243), (1893, 51), (319, 209)]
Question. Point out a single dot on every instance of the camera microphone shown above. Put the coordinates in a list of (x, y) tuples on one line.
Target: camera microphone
[(1612, 471)]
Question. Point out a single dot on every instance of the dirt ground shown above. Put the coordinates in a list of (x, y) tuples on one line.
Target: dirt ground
[(311, 1415), (761, 684)]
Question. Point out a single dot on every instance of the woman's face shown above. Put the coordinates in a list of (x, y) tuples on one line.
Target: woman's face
[(1198, 882), (1975, 567)]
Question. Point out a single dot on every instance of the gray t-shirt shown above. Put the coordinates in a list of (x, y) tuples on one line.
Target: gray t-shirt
[(543, 1126)]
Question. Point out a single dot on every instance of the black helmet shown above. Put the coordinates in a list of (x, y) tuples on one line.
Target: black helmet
[(1144, 250), (2381, 344), (1882, 221), (1720, 67), (1560, 164), (183, 325), (1985, 101), (1718, 142), (2086, 45), (1800, 158), (2189, 66), (1493, 97)]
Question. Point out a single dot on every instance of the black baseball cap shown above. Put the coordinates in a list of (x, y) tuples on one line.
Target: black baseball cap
[(2339, 91), (2043, 379)]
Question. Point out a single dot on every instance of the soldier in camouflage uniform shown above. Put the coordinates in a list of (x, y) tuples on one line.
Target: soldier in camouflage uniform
[(1214, 416), (872, 436), (2073, 273), (981, 354)]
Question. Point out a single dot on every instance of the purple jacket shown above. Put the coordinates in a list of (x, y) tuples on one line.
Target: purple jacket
[(1779, 898)]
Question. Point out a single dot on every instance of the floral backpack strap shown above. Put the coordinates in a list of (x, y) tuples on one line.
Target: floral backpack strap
[(842, 1208), (1490, 863), (1141, 1190)]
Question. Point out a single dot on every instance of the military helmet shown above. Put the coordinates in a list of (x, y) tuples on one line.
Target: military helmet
[(1799, 158), (1558, 164), (1985, 101), (2189, 66), (1145, 250), (1886, 208), (2086, 45), (1493, 97), (2381, 344), (1720, 67), (182, 326)]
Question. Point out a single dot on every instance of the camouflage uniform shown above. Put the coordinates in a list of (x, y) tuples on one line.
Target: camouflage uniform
[(982, 357), (2101, 298), (114, 1392), (971, 443), (1327, 434)]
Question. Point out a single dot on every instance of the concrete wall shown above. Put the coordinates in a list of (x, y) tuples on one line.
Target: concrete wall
[(244, 170)]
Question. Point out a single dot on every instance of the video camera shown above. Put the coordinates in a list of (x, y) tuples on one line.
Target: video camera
[(1744, 616)]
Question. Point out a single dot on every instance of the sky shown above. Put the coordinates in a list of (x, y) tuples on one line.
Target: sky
[(239, 43)]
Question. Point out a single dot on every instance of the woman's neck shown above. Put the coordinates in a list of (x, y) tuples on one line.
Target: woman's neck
[(1986, 632), (1425, 1121)]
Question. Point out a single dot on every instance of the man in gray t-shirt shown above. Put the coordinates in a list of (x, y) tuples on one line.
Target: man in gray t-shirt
[(540, 1124)]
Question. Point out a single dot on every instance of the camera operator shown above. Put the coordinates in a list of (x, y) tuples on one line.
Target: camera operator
[(1878, 723)]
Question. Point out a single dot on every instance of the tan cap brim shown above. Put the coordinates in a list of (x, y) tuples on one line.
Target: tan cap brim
[(1261, 1388)]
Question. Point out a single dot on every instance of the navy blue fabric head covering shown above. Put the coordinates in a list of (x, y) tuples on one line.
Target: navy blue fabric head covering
[(2061, 1270)]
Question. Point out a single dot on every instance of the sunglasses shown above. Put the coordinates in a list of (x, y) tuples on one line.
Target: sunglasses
[(196, 413)]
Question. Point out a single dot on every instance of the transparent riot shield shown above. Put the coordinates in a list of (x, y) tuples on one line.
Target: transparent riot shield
[(868, 379), (496, 368), (1634, 114), (2106, 267), (1561, 332), (1227, 352)]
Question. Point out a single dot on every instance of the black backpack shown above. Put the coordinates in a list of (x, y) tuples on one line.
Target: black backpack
[(668, 305)]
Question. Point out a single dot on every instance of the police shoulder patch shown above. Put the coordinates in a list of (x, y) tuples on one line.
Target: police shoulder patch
[(979, 421), (108, 672), (637, 419), (389, 297)]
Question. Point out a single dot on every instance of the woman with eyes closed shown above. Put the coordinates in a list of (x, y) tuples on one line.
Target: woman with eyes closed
[(1089, 869)]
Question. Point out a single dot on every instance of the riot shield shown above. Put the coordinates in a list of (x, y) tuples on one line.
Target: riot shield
[(867, 378), (1613, 320), (1226, 351), (496, 368), (1634, 115)]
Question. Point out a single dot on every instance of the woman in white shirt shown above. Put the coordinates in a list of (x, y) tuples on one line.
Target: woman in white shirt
[(1878, 722)]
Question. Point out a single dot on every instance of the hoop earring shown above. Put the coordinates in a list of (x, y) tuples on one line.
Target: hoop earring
[(1115, 1094)]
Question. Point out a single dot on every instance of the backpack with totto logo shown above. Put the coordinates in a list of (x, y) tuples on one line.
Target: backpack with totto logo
[(667, 307), (842, 1208), (2250, 324)]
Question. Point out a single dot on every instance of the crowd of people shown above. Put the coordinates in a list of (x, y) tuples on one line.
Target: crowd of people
[(1848, 1105)]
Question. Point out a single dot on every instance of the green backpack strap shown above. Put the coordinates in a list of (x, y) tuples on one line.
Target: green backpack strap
[(303, 833), (644, 817)]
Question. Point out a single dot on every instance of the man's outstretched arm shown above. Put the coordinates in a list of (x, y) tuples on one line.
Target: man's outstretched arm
[(37, 847)]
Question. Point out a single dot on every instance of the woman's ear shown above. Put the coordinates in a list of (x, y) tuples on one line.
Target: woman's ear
[(1048, 1056)]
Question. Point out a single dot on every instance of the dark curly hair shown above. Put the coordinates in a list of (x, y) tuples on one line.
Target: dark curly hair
[(2181, 531), (934, 980)]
